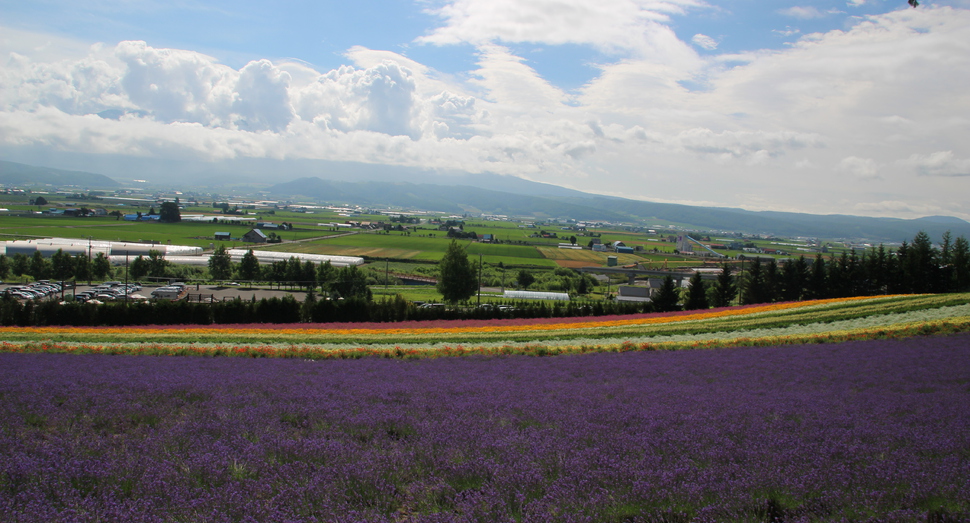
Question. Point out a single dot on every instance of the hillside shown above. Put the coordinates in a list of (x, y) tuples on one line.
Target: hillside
[(12, 173), (538, 201)]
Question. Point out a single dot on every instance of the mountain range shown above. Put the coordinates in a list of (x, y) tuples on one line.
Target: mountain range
[(494, 194), (409, 188)]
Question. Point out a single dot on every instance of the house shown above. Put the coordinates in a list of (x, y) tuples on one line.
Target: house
[(599, 247), (255, 236), (223, 236), (639, 293)]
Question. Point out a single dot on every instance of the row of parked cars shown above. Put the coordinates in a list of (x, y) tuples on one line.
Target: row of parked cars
[(108, 291), (38, 289)]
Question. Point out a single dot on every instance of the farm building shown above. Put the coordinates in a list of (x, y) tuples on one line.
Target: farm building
[(223, 236), (49, 246), (255, 236), (639, 293)]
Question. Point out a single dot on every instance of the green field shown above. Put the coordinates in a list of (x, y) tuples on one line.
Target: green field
[(397, 245), (199, 234)]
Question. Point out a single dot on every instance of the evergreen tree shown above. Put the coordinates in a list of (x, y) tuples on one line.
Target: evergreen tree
[(961, 264), (794, 277), (249, 267), (725, 289), (696, 294), (836, 277), (457, 279), (772, 285), (4, 266), (946, 264), (667, 297), (220, 264), (921, 265), (753, 289)]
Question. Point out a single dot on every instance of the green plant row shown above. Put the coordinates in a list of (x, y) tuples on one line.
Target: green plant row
[(736, 325)]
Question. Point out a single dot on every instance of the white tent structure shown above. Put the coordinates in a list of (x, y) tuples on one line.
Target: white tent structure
[(119, 253), (275, 256), (536, 295)]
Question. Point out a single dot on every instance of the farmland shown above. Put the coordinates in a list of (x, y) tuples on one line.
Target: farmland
[(825, 410), (859, 431), (416, 247)]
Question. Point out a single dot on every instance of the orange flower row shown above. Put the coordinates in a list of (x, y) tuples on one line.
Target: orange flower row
[(443, 330)]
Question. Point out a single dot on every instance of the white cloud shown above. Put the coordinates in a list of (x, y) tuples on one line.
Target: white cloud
[(616, 26), (940, 163), (863, 168), (704, 42), (804, 12), (876, 101)]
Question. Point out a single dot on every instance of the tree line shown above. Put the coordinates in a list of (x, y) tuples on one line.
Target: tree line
[(914, 268)]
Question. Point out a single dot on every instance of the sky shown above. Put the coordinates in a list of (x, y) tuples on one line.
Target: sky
[(830, 107)]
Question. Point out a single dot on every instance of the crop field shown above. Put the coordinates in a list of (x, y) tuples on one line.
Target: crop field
[(108, 228), (587, 257), (872, 430), (416, 247)]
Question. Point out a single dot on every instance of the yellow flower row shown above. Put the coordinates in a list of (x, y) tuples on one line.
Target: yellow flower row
[(651, 320)]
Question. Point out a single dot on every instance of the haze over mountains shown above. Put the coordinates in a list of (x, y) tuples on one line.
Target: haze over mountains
[(408, 188)]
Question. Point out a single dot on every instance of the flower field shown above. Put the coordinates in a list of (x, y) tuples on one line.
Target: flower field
[(868, 430), (819, 321)]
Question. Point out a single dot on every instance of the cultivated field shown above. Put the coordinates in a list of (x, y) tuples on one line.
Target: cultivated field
[(859, 431)]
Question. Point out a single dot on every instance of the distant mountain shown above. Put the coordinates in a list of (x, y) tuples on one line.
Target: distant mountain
[(553, 204), (12, 173), (456, 199)]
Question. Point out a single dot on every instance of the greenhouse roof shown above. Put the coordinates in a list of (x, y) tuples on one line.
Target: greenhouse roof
[(536, 295)]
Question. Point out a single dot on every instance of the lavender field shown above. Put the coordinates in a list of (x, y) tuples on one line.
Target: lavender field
[(859, 431)]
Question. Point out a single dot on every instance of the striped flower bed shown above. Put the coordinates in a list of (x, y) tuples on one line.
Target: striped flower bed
[(783, 323)]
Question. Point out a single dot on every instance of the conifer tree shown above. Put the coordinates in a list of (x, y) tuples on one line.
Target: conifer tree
[(696, 294), (725, 289)]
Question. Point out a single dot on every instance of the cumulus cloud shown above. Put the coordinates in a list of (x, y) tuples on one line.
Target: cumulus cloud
[(863, 168), (940, 163), (704, 42), (844, 108), (616, 26)]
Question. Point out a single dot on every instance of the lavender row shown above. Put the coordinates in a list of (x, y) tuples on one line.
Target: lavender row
[(863, 431)]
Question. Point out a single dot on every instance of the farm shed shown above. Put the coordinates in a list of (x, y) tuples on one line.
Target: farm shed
[(255, 236)]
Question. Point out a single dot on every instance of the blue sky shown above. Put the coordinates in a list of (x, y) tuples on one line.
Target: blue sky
[(855, 107)]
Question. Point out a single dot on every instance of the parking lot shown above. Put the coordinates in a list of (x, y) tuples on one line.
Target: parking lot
[(196, 292)]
